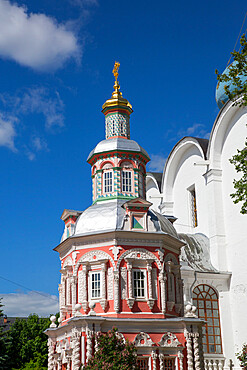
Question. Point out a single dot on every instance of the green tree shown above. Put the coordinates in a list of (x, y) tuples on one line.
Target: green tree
[(242, 357), (3, 356), (236, 85), (112, 353), (27, 343)]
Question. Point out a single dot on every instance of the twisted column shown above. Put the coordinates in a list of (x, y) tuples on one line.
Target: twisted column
[(180, 358), (76, 336), (195, 337), (116, 290), (74, 283), (188, 337), (161, 358), (130, 299), (154, 358), (82, 291), (50, 344), (89, 345)]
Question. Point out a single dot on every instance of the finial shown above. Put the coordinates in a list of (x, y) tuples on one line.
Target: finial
[(115, 70), (116, 93)]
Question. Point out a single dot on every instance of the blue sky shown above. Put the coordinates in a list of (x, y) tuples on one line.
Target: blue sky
[(56, 59)]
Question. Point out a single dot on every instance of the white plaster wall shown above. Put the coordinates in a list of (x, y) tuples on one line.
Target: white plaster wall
[(188, 175), (235, 228), (153, 194)]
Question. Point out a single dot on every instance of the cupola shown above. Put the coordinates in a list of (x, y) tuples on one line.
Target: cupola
[(118, 163)]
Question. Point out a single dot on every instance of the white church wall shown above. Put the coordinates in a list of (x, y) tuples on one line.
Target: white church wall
[(153, 193)]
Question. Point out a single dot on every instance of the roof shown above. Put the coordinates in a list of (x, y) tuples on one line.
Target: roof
[(195, 253), (111, 215), (120, 144)]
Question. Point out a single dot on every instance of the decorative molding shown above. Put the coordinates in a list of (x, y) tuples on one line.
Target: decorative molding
[(116, 291), (161, 253), (162, 280), (139, 254), (92, 257), (123, 272), (68, 262), (76, 348), (115, 251), (154, 358), (188, 337), (143, 340), (110, 283), (89, 344), (169, 340)]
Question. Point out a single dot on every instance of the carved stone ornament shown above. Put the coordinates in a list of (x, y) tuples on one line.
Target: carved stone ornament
[(93, 256), (120, 336), (190, 311), (141, 254), (115, 251), (143, 340), (130, 302), (169, 340)]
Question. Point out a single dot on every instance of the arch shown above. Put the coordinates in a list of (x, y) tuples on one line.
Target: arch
[(93, 256), (144, 255), (120, 163), (171, 257), (106, 165), (227, 116), (143, 340), (173, 162), (205, 298), (169, 340)]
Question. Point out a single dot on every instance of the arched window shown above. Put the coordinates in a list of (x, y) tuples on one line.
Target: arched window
[(107, 185), (127, 173), (205, 299)]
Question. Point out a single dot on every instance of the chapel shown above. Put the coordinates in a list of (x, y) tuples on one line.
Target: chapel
[(121, 263)]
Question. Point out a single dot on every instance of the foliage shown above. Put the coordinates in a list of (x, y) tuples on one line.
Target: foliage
[(242, 356), (112, 353), (26, 346), (235, 79), (3, 357)]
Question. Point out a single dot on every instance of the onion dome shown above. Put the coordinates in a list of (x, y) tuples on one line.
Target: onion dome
[(220, 95)]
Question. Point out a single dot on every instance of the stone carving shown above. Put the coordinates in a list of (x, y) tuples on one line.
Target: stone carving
[(197, 356), (110, 283), (155, 283), (51, 348), (169, 340), (139, 253), (143, 340), (115, 251), (116, 291), (120, 336), (190, 311), (74, 257), (67, 262), (161, 253), (130, 299), (188, 337), (89, 344), (162, 280), (75, 338), (150, 286), (53, 320), (180, 358), (93, 256), (103, 300), (161, 358), (82, 287), (154, 358), (123, 283)]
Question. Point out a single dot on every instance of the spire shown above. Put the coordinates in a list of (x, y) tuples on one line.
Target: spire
[(117, 111)]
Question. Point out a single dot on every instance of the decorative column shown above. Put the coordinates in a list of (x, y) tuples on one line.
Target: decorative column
[(199, 363), (188, 337), (180, 358), (162, 280), (89, 345), (82, 287), (74, 286), (103, 287), (50, 344), (130, 299), (178, 304), (171, 287), (116, 290), (68, 290), (150, 286), (154, 359), (76, 336), (161, 358)]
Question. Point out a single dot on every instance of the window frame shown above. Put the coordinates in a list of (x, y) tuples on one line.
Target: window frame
[(90, 291), (125, 170), (210, 319), (109, 172), (145, 297)]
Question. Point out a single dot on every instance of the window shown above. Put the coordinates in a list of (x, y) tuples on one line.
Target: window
[(126, 181), (142, 363), (95, 285), (107, 181), (206, 300), (193, 207), (169, 364), (139, 282)]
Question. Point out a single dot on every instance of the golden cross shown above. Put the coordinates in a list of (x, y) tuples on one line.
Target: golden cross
[(115, 70)]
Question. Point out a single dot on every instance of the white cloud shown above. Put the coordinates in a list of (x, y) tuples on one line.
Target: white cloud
[(35, 40), (7, 132), (157, 163), (36, 100), (23, 304), (195, 130), (39, 144)]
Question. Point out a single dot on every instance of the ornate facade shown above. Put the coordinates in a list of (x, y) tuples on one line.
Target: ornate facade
[(120, 264)]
